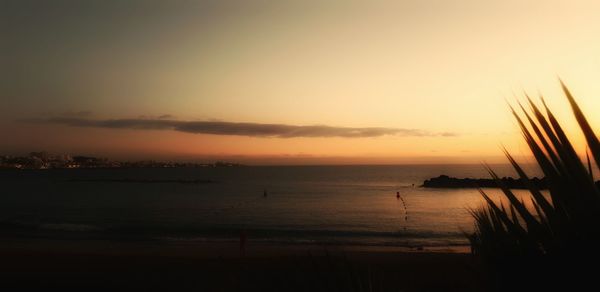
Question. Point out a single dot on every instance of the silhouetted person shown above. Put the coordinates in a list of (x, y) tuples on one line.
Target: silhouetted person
[(397, 195), (265, 193), (243, 243)]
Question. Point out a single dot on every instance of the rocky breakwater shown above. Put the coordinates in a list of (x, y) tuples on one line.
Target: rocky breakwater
[(444, 181)]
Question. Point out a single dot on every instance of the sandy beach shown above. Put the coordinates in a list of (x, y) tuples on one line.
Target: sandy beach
[(98, 265)]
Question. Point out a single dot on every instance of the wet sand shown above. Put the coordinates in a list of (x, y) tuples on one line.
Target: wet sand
[(134, 266)]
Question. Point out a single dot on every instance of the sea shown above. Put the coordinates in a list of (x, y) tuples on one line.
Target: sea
[(301, 205)]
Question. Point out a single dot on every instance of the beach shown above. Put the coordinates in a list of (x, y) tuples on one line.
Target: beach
[(104, 265), (342, 228)]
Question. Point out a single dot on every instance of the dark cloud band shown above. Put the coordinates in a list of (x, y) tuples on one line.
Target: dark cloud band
[(238, 129)]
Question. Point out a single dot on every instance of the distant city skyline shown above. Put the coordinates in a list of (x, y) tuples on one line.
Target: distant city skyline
[(45, 160), (290, 82)]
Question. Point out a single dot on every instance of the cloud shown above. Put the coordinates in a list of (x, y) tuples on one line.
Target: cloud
[(448, 134), (238, 129), (77, 114), (161, 117), (164, 117)]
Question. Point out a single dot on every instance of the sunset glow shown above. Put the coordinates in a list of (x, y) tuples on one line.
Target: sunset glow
[(441, 69)]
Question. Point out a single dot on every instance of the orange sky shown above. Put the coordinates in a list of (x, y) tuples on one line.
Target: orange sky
[(431, 66)]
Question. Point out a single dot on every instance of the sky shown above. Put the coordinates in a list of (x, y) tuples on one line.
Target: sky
[(289, 82)]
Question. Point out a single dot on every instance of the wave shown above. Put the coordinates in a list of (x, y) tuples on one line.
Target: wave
[(33, 226), (69, 227), (404, 238), (329, 237), (409, 242)]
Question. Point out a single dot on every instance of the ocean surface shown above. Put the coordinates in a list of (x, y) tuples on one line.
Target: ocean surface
[(345, 205)]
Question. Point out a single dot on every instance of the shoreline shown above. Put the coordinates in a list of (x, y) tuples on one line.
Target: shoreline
[(208, 249)]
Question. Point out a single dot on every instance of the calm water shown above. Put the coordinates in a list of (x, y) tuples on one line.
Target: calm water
[(354, 205)]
